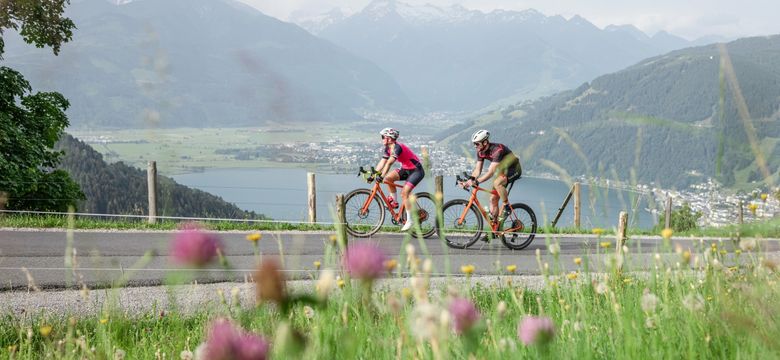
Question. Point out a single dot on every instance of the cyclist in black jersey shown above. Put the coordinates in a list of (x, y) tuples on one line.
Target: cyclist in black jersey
[(503, 163)]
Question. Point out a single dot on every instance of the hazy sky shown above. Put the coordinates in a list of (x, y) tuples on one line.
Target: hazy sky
[(686, 18)]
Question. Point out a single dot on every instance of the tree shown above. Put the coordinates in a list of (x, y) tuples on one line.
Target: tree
[(683, 219), (30, 124), (40, 22)]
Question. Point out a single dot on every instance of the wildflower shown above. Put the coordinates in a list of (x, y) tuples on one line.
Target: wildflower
[(597, 231), (605, 244), (254, 237), (763, 197), (317, 265), (501, 308), (340, 282), (428, 266), (649, 301), (686, 256), (464, 315), (554, 249), (578, 261), (45, 330), (747, 244), (650, 322), (602, 288), (270, 282), (103, 320), (572, 275), (333, 239), (511, 268), (410, 250), (186, 355), (225, 341), (391, 264), (426, 321), (193, 246), (119, 354), (693, 302), (738, 251), (364, 261), (308, 312), (534, 330), (406, 293), (467, 269), (753, 208), (325, 283), (667, 233)]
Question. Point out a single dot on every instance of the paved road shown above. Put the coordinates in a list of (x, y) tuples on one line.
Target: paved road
[(102, 257)]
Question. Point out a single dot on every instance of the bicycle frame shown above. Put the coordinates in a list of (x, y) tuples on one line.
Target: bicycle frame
[(474, 200), (377, 188)]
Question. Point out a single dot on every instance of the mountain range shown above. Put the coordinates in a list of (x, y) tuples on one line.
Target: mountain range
[(673, 120), (456, 59), (199, 63)]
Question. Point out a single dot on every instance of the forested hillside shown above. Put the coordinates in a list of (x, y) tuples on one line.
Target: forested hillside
[(671, 119), (121, 189)]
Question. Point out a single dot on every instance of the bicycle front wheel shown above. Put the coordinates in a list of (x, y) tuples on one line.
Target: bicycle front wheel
[(461, 224), (519, 227), (363, 218)]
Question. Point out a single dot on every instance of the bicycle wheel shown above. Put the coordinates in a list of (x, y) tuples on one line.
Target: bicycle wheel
[(457, 234), (360, 223), (519, 227), (426, 214)]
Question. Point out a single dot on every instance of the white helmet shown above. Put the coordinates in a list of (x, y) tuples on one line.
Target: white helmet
[(389, 132), (480, 135)]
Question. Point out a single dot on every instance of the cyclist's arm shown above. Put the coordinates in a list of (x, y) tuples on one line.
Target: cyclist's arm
[(489, 174), (379, 166), (388, 165), (477, 168)]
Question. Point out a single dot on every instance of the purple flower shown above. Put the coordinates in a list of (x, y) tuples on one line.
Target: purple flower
[(193, 246), (227, 342), (364, 261), (536, 330), (464, 315)]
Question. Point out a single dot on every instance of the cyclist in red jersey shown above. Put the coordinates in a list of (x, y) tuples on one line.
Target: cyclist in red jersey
[(411, 170), (503, 163)]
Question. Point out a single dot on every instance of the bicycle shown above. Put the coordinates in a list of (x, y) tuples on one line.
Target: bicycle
[(365, 209), (462, 221)]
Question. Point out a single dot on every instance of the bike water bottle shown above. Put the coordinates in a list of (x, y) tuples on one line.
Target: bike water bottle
[(487, 210)]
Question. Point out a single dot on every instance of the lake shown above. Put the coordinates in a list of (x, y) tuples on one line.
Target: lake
[(281, 194)]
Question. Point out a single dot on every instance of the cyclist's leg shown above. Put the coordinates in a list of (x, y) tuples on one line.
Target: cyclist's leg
[(391, 178), (499, 185), (414, 178)]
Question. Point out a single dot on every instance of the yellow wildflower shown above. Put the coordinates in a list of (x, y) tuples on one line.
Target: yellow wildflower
[(627, 281), (578, 261), (572, 275), (406, 293), (763, 197), (511, 268), (391, 264), (103, 320), (254, 237), (753, 208), (738, 251), (723, 252), (597, 231), (340, 283), (467, 269), (667, 233), (317, 264), (45, 330), (686, 255), (333, 239), (605, 244)]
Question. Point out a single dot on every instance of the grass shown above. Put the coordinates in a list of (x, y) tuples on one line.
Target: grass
[(714, 311)]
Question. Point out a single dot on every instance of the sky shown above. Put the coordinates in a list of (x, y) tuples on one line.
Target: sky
[(687, 18)]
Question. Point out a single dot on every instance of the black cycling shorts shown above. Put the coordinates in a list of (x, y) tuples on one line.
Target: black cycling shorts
[(412, 176)]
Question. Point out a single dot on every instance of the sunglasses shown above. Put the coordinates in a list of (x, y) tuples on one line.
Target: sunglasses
[(477, 143)]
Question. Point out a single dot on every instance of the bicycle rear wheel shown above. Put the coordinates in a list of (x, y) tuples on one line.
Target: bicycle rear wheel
[(426, 214), (460, 234), (519, 227), (363, 223)]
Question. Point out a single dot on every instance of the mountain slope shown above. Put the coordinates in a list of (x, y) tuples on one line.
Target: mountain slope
[(120, 189), (459, 59), (669, 118), (200, 63)]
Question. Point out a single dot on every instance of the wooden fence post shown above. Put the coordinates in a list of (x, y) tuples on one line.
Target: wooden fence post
[(563, 206), (621, 233), (668, 213), (341, 226), (741, 213), (577, 205), (151, 182), (438, 197), (312, 197)]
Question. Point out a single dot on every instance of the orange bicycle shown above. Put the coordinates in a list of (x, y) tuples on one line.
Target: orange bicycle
[(462, 221), (365, 209)]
